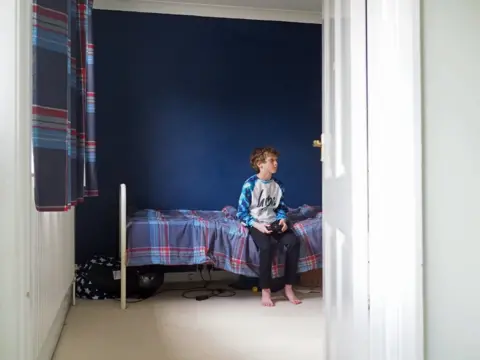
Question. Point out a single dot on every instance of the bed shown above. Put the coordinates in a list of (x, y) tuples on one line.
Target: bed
[(189, 237)]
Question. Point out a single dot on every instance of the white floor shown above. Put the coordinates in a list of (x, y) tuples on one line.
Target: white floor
[(169, 327)]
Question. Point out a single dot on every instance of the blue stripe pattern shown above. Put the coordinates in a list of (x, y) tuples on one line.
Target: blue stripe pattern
[(64, 119), (185, 237)]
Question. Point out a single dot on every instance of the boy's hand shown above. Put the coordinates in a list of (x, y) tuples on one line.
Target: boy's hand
[(283, 222), (262, 228)]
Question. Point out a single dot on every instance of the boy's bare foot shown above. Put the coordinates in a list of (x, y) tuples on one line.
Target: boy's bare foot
[(290, 294), (267, 298)]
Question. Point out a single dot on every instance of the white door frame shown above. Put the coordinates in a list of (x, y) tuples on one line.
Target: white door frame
[(395, 180), (15, 178)]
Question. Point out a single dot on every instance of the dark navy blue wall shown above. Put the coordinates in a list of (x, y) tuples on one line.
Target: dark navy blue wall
[(181, 102)]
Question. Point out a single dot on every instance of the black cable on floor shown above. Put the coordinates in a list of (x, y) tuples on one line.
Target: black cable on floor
[(207, 292)]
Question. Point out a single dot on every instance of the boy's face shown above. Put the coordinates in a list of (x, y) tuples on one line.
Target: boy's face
[(270, 165)]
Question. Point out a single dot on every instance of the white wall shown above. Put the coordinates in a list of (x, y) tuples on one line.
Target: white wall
[(451, 75), (52, 268), (36, 250)]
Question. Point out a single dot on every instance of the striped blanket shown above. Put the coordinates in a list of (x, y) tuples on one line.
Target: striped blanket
[(188, 237)]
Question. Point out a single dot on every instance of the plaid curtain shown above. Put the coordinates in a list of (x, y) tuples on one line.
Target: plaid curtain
[(63, 104)]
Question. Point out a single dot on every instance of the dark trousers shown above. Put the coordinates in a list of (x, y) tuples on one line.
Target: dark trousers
[(268, 245)]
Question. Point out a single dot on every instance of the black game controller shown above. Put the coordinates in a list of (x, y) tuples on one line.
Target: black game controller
[(275, 227)]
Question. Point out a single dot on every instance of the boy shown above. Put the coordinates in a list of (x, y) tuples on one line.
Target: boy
[(262, 203)]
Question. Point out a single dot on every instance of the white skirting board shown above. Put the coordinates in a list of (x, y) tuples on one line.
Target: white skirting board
[(48, 349)]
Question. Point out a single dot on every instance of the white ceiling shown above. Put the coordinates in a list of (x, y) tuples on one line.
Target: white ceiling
[(307, 11), (288, 5)]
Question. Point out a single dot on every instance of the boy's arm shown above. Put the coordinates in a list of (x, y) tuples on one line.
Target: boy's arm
[(282, 208), (244, 202)]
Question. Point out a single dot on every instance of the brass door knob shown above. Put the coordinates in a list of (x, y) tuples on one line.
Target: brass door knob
[(317, 143)]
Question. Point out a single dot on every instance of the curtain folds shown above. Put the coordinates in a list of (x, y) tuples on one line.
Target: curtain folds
[(63, 134)]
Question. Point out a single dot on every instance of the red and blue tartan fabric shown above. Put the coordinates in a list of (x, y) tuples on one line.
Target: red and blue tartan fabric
[(63, 131)]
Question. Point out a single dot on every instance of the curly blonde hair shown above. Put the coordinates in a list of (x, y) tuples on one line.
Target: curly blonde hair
[(260, 154)]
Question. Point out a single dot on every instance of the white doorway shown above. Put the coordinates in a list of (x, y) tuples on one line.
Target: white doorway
[(386, 276)]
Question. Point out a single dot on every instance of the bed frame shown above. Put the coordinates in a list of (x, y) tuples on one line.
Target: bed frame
[(123, 245)]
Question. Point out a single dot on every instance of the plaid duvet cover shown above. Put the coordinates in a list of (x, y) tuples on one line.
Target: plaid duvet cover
[(189, 237)]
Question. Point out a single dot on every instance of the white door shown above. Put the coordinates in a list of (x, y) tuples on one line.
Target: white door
[(345, 187)]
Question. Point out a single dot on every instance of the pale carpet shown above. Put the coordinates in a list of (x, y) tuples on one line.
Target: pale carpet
[(169, 327)]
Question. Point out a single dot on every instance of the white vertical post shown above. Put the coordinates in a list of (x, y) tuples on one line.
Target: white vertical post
[(74, 285), (123, 246)]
